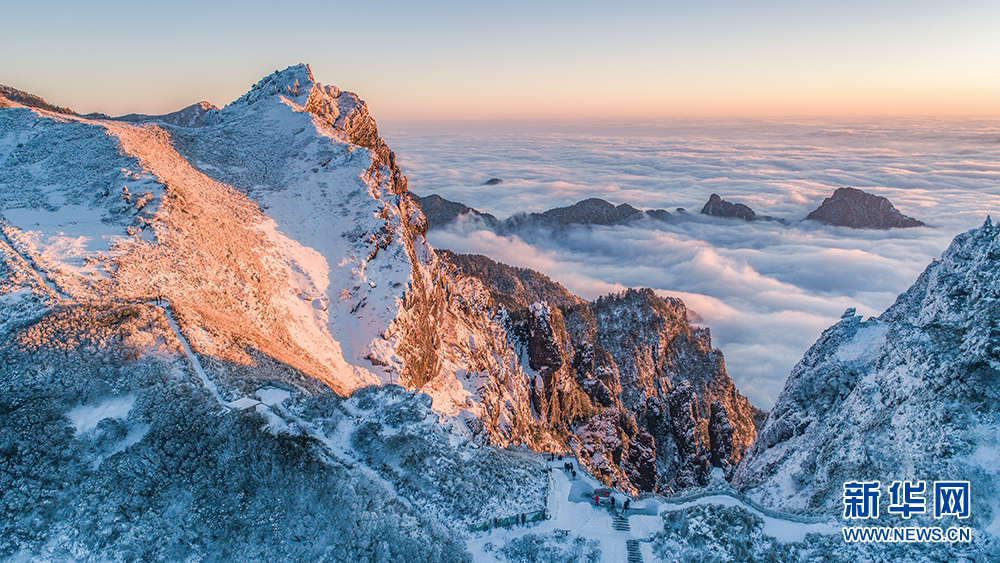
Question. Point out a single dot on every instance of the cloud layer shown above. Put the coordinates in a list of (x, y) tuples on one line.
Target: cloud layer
[(766, 290)]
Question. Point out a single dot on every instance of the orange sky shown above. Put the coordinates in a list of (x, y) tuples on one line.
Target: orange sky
[(521, 60)]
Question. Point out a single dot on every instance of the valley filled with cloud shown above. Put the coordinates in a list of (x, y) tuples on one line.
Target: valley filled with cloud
[(766, 289)]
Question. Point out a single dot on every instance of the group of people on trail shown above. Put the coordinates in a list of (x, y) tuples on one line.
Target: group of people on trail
[(568, 468), (614, 502)]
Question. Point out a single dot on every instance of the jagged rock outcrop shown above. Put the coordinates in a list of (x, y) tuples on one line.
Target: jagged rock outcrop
[(654, 350), (851, 207), (910, 395), (720, 437), (637, 366), (440, 212), (718, 207), (692, 465), (195, 115), (556, 396)]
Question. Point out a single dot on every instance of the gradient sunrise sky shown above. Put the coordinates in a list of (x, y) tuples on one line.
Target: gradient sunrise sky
[(519, 59)]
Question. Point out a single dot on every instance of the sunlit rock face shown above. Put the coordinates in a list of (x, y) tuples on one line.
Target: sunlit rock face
[(851, 207), (909, 395)]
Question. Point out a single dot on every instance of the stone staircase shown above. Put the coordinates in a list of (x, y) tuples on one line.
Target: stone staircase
[(620, 523), (634, 555)]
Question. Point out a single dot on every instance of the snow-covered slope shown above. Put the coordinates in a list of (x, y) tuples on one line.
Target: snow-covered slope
[(279, 230), (910, 395)]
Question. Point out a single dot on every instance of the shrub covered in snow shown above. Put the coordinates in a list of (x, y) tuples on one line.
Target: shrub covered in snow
[(550, 548)]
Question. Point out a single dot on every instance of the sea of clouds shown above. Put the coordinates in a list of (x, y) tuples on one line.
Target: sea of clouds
[(765, 289)]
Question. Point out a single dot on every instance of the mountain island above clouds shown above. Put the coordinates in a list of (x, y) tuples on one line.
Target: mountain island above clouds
[(223, 336), (847, 207)]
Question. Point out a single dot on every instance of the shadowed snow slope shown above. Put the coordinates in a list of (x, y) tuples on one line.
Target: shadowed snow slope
[(910, 395)]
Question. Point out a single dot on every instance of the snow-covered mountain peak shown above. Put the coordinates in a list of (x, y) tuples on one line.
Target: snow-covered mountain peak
[(278, 230), (294, 83), (275, 242), (295, 86)]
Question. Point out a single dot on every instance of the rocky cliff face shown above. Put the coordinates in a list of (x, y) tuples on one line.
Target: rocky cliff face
[(910, 395), (851, 207), (649, 398)]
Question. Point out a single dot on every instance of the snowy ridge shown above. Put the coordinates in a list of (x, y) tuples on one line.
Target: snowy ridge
[(279, 228), (910, 395)]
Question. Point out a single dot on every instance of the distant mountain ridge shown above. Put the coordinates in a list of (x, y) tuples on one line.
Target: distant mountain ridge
[(439, 211), (847, 207), (593, 211)]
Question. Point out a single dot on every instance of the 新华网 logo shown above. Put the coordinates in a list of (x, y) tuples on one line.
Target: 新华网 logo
[(906, 498)]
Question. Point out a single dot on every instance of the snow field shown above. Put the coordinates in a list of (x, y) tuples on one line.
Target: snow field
[(86, 417)]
